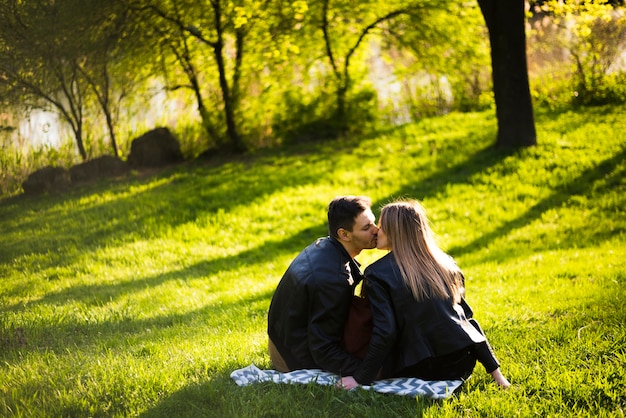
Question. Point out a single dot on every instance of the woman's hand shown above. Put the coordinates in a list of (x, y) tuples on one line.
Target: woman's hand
[(500, 379), (347, 383)]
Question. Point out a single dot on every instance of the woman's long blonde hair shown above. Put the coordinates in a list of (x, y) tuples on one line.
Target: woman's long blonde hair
[(426, 270)]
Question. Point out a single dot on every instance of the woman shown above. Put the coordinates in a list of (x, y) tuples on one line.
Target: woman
[(422, 325)]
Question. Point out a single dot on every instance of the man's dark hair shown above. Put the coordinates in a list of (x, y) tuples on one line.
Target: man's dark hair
[(343, 210)]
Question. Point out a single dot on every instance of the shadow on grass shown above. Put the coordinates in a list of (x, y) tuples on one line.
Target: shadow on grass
[(65, 335), (137, 338), (460, 173), (183, 196), (602, 179), (143, 207), (98, 294), (64, 227), (208, 399), (104, 294), (194, 400), (588, 184)]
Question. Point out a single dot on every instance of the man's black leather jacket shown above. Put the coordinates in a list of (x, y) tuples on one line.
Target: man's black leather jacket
[(308, 311)]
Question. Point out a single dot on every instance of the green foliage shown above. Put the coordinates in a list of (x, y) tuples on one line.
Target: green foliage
[(17, 164), (438, 76), (600, 90), (139, 297), (304, 120), (594, 35), (75, 58), (551, 89), (92, 59), (313, 119)]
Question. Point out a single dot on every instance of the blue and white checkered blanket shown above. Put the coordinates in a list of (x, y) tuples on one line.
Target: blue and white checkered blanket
[(408, 386)]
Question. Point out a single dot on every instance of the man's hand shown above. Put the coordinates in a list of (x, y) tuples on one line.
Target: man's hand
[(347, 383)]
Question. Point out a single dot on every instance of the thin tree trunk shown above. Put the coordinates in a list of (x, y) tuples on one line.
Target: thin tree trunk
[(229, 113)]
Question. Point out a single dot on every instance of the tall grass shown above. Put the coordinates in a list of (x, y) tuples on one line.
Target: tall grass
[(138, 297)]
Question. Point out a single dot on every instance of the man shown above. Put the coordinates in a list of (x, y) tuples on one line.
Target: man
[(309, 308)]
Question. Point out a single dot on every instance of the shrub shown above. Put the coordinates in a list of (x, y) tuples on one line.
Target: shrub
[(594, 35)]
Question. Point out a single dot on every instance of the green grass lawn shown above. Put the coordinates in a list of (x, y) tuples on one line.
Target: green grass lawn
[(138, 297)]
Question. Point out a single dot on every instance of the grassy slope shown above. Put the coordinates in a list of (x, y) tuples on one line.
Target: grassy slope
[(139, 297)]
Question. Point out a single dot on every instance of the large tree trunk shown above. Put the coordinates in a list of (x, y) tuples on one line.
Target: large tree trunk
[(507, 35)]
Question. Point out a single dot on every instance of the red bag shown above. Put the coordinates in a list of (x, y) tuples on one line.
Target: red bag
[(358, 329)]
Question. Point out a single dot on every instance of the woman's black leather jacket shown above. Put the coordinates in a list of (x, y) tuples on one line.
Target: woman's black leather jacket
[(407, 331)]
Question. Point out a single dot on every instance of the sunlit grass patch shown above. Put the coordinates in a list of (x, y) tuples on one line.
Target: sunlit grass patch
[(140, 297)]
